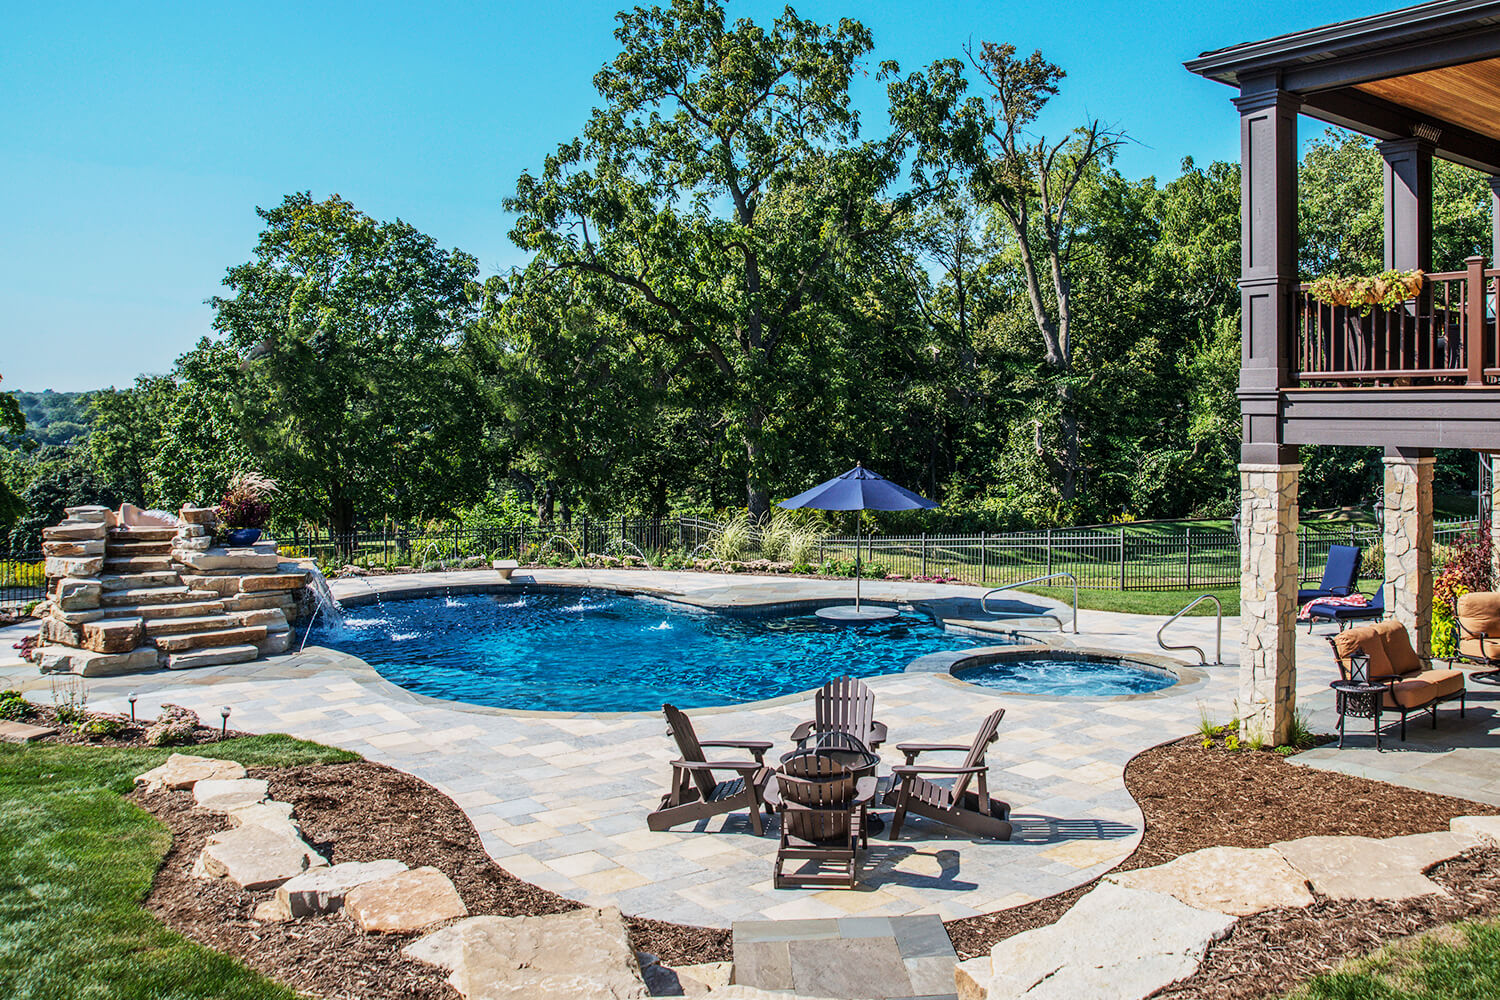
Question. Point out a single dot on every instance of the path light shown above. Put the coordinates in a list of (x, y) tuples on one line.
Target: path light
[(132, 697), (223, 722)]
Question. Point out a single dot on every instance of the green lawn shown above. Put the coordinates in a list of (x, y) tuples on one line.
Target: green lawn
[(1142, 602), (1461, 962), (76, 860)]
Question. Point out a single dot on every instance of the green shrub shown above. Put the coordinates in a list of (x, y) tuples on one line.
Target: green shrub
[(13, 706), (99, 727)]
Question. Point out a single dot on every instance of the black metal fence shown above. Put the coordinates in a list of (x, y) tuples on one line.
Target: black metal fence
[(1158, 558), (22, 578), (1155, 557)]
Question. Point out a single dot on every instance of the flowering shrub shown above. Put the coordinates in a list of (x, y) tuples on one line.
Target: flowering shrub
[(1468, 570), (246, 502)]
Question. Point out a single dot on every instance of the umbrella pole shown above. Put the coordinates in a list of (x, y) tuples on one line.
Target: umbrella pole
[(857, 570)]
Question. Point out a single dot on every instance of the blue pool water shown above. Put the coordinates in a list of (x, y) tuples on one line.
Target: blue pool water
[(1060, 676), (594, 651)]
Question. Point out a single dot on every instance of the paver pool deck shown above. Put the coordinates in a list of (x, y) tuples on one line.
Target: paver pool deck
[(560, 799)]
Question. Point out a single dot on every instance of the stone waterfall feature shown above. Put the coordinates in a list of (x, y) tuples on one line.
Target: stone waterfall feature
[(130, 591)]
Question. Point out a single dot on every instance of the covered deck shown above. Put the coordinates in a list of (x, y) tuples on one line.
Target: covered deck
[(1425, 82)]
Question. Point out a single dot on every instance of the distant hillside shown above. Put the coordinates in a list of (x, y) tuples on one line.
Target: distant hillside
[(54, 417)]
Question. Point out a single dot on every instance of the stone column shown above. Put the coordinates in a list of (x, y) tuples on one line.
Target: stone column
[(1268, 600), (1408, 541)]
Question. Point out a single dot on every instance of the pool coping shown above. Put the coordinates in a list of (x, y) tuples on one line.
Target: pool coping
[(401, 589)]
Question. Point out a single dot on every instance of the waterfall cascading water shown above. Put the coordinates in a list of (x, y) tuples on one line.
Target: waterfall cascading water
[(328, 605)]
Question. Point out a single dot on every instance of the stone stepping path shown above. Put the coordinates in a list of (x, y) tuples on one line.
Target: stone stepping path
[(263, 849), (1141, 930), (871, 958), (22, 732)]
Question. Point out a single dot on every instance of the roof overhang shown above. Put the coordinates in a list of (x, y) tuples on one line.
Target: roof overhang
[(1432, 70)]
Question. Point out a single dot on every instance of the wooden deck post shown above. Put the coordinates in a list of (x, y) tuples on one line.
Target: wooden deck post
[(1474, 327)]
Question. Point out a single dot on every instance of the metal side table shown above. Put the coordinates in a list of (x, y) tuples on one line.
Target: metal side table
[(1359, 700)]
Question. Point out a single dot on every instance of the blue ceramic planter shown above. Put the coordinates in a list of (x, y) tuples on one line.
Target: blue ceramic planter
[(242, 536)]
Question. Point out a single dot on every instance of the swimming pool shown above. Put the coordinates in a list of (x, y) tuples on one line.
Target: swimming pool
[(596, 651), (1066, 674)]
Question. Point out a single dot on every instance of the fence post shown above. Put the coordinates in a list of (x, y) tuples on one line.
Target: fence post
[(1122, 558), (924, 553), (1189, 535), (984, 575), (1049, 551)]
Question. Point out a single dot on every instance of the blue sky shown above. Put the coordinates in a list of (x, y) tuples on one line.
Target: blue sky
[(138, 139)]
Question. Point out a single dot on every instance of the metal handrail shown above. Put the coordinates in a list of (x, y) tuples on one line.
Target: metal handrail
[(984, 602), (1218, 631)]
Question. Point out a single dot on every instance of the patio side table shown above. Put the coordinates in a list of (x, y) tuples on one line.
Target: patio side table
[(1359, 700)]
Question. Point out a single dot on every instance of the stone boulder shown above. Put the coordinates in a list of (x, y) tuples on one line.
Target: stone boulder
[(1235, 880), (1114, 944), (406, 902), (184, 771), (174, 725), (256, 857), (221, 796), (559, 956), (323, 890)]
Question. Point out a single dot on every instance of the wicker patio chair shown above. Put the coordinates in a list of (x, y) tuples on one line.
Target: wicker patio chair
[(696, 793), (822, 805), (973, 812)]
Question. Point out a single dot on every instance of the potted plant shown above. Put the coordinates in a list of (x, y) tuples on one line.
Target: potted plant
[(1388, 290), (245, 508)]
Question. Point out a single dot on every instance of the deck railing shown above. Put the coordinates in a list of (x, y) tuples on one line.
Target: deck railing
[(1443, 336)]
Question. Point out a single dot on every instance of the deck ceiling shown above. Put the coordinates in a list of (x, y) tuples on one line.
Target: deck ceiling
[(1466, 95)]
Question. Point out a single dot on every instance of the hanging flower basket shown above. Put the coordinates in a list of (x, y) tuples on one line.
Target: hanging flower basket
[(1388, 290)]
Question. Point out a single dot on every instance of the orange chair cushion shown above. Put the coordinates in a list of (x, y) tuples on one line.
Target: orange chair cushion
[(1479, 614), (1420, 689), (1398, 647), (1367, 640)]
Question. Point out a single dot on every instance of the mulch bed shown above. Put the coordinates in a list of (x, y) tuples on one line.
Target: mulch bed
[(362, 812), (133, 734)]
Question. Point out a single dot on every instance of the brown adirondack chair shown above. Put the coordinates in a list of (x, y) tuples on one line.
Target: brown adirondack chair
[(844, 705), (696, 794), (822, 805), (973, 812)]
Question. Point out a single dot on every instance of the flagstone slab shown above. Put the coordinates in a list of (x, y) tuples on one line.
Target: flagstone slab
[(222, 795), (1238, 881), (1371, 868), (185, 770), (1481, 831), (256, 857), (559, 956), (22, 732), (1116, 943), (322, 890), (405, 902), (272, 813)]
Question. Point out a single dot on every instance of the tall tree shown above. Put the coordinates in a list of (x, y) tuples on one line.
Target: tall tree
[(1033, 182), (720, 194), (356, 390)]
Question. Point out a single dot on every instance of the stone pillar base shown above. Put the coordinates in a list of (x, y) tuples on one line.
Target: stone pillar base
[(1268, 601), (1408, 539)]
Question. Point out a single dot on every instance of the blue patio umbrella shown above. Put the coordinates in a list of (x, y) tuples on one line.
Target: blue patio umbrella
[(858, 489)]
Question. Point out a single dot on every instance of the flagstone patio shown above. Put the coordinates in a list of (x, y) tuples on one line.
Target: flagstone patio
[(560, 799)]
